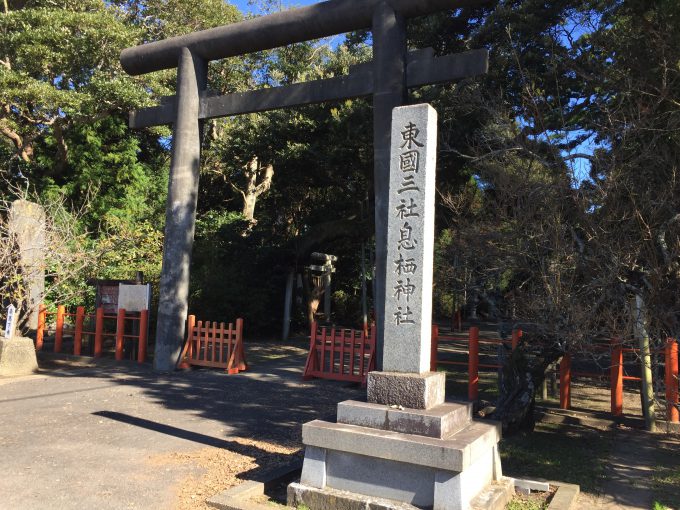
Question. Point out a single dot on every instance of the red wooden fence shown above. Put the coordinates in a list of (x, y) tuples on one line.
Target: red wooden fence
[(75, 322), (671, 380), (340, 354), (617, 377), (472, 342), (210, 344), (468, 345)]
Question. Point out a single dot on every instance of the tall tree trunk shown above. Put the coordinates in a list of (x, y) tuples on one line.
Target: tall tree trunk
[(520, 375), (254, 171), (647, 390)]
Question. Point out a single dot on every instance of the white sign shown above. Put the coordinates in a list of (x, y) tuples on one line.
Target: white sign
[(134, 298), (11, 321)]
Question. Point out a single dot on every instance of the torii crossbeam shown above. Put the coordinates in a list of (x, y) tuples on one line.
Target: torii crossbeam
[(387, 79)]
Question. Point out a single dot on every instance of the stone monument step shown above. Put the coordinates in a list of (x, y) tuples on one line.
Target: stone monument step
[(455, 453), (329, 498), (441, 421), (495, 496)]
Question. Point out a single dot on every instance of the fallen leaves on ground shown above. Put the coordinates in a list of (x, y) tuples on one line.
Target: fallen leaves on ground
[(218, 469)]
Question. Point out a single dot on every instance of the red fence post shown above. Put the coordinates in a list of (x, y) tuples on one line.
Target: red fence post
[(120, 330), (617, 377), (191, 325), (434, 347), (473, 364), (240, 350), (59, 333), (40, 333), (188, 350), (78, 338), (143, 322), (565, 381), (672, 413), (98, 332), (516, 335)]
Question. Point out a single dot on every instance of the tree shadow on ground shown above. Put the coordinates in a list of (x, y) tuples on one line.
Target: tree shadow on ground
[(270, 401)]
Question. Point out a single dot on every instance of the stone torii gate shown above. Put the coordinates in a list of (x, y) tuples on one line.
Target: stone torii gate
[(387, 79)]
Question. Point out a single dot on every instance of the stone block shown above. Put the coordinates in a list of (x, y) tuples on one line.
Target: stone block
[(457, 490), (416, 391), (17, 357), (333, 499), (494, 496), (363, 414), (531, 485), (314, 467), (381, 478), (455, 453), (440, 421), (565, 498)]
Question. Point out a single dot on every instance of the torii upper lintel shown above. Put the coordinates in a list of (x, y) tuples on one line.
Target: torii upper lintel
[(279, 29)]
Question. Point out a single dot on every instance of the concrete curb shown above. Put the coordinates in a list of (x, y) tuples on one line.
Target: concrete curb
[(240, 497), (565, 497)]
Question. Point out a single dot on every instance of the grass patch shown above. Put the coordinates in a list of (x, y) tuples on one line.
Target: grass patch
[(523, 503), (558, 452), (457, 384)]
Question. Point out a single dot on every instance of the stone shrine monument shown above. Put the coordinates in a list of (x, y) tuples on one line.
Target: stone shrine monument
[(405, 448), (27, 228)]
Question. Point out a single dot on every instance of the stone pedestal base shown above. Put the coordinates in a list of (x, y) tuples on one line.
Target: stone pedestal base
[(412, 458), (415, 391), (17, 357)]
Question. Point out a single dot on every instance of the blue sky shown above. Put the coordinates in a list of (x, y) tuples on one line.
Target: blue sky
[(244, 7)]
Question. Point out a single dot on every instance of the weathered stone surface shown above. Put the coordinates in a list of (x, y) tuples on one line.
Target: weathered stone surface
[(27, 227), (494, 496), (314, 467), (440, 421), (415, 391), (565, 497), (455, 453), (381, 478), (363, 414), (17, 357), (410, 240), (458, 489), (334, 499)]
